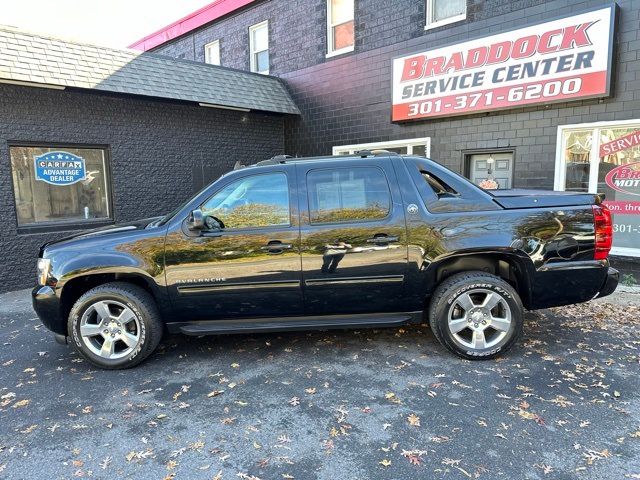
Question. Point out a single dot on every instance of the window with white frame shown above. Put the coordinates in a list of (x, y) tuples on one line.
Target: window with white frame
[(212, 53), (259, 48), (413, 146), (340, 26), (443, 12), (604, 157)]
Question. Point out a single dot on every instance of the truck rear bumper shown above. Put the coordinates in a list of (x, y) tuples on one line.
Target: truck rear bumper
[(567, 283), (610, 283)]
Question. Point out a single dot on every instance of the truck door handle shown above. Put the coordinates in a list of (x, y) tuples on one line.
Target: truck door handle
[(382, 238), (276, 246)]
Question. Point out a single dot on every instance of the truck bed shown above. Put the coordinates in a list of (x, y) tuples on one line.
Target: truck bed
[(521, 198)]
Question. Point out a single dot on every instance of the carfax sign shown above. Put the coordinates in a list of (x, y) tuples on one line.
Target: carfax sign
[(60, 168), (560, 60)]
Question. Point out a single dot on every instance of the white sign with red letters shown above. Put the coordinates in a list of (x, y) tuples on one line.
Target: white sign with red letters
[(560, 60)]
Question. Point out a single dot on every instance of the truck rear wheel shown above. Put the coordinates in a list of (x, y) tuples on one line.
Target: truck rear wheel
[(116, 325), (476, 315)]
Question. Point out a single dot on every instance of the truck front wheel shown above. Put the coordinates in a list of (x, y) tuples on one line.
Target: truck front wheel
[(116, 325), (476, 315)]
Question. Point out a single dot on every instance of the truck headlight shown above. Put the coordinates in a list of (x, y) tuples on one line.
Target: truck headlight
[(44, 271)]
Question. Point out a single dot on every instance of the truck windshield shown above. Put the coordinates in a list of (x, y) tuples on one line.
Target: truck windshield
[(175, 211)]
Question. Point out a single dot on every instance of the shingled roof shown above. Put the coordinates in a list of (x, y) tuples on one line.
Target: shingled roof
[(26, 57)]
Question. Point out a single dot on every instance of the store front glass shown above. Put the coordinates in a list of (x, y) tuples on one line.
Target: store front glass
[(605, 158), (56, 186)]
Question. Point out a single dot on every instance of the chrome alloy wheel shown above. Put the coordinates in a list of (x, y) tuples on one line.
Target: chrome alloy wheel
[(110, 329), (479, 319)]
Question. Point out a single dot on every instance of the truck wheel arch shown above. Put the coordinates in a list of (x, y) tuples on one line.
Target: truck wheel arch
[(74, 288), (512, 266)]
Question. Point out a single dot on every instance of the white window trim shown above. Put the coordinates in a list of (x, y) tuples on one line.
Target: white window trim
[(409, 143), (435, 24), (252, 52), (207, 47), (334, 53), (342, 51), (594, 158)]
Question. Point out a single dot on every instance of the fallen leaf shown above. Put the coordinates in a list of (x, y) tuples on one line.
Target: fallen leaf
[(413, 420)]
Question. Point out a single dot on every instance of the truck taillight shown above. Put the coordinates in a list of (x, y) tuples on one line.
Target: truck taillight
[(604, 231)]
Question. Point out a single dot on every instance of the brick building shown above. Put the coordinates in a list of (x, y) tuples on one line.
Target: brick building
[(525, 94), (147, 132), (337, 59)]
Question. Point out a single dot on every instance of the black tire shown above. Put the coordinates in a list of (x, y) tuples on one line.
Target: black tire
[(446, 299), (147, 325)]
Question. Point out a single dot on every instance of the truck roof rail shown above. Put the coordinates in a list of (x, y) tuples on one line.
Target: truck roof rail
[(275, 160), (281, 159), (374, 153)]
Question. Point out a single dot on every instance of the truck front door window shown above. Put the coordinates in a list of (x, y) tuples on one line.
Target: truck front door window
[(254, 201)]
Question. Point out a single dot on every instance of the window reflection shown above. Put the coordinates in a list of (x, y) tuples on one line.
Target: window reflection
[(255, 201), (348, 195)]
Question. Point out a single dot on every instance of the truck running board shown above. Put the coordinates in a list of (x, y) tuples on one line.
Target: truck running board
[(278, 324)]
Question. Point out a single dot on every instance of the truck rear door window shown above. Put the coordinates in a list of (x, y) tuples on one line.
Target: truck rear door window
[(348, 195)]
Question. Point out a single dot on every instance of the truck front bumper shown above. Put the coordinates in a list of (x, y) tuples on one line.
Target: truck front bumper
[(610, 283), (46, 303)]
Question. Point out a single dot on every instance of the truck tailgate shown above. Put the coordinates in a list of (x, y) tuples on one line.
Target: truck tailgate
[(520, 198)]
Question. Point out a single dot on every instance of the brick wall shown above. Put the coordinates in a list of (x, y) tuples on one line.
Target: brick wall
[(297, 28), (160, 153), (347, 99)]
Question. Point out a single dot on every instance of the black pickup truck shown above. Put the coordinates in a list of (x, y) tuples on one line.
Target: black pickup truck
[(371, 240)]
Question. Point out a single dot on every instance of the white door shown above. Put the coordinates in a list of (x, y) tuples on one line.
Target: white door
[(496, 166)]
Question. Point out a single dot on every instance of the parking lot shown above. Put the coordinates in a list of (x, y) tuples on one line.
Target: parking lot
[(365, 404)]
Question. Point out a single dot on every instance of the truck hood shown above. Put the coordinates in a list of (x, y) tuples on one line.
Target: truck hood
[(109, 230), (521, 198)]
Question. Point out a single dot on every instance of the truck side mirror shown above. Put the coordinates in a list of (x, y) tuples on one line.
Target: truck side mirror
[(195, 220)]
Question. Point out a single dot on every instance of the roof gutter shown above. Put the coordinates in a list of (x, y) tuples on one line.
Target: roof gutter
[(224, 107), (33, 84)]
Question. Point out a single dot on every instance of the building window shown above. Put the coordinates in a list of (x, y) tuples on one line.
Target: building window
[(348, 195), (443, 12), (58, 185), (340, 27), (415, 146), (604, 157), (259, 48), (212, 53)]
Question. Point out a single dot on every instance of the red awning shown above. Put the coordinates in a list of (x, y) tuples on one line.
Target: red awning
[(206, 14)]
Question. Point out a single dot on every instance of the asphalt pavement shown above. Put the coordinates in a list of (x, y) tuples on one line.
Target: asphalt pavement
[(364, 404)]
